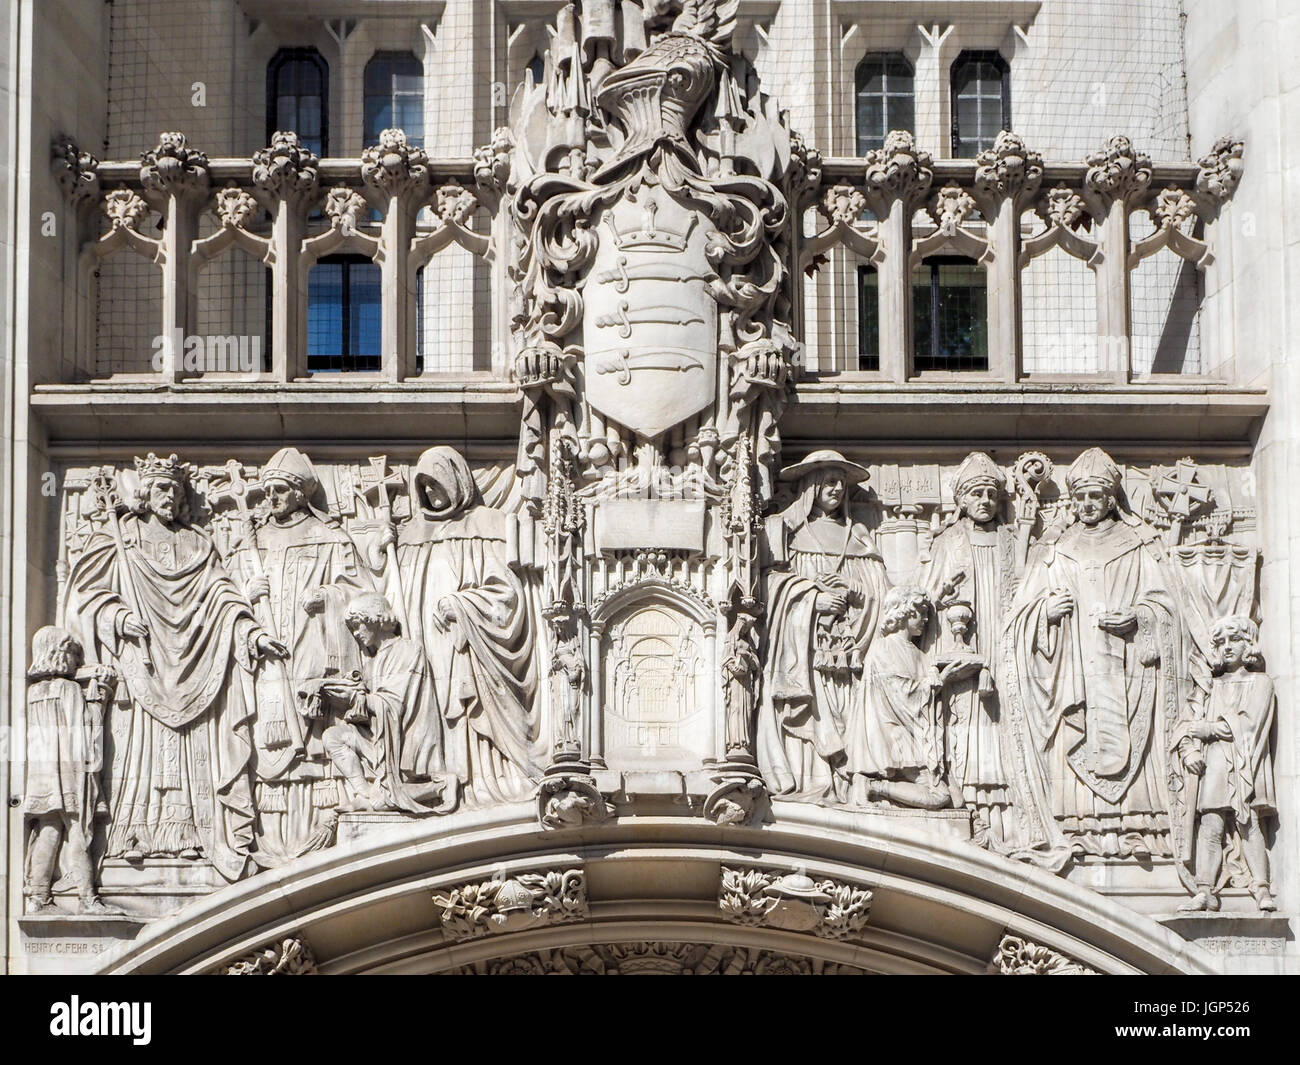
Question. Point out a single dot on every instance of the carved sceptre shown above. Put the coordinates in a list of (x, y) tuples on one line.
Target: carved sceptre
[(376, 480), (104, 487)]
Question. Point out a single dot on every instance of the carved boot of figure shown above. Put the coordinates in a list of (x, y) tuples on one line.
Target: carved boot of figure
[(341, 742), (41, 861), (1256, 852), (1209, 859)]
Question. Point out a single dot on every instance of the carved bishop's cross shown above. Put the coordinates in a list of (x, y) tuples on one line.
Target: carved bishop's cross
[(1181, 493)]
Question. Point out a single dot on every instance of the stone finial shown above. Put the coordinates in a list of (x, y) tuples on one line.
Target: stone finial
[(125, 209), (285, 167), (234, 207), (77, 171), (843, 204), (393, 165), (1118, 171), (950, 207), (899, 170), (1173, 207), (172, 166), (1009, 168), (1021, 957), (492, 161), (794, 902), (343, 206), (512, 904), (1220, 169), (289, 957), (455, 203)]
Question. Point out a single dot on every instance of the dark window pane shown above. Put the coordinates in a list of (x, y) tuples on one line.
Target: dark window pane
[(296, 83), (343, 315), (980, 95), (884, 86), (868, 319), (394, 96), (950, 308)]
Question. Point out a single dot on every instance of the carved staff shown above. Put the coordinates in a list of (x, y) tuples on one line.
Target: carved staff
[(104, 486), (279, 727), (235, 490), (376, 480)]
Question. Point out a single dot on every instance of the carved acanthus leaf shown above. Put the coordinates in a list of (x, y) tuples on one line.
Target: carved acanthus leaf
[(125, 209), (509, 905), (656, 959), (344, 206), (289, 957), (492, 162), (234, 207), (899, 170), (455, 204), (950, 207), (1220, 169), (1119, 171), (172, 166), (794, 902), (1021, 957), (843, 204), (1065, 208), (286, 168), (1173, 208), (1009, 168), (77, 171), (394, 165)]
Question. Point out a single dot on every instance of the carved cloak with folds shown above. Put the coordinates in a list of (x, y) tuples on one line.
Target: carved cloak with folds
[(987, 558), (893, 733), (803, 712), (1091, 712), (180, 765), (483, 663), (405, 735)]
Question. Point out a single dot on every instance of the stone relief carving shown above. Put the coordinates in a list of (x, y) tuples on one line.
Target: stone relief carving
[(509, 905), (1022, 957), (1069, 659), (65, 749), (794, 902), (656, 959), (274, 646), (289, 957)]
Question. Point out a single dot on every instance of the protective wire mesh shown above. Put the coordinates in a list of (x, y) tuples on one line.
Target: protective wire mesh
[(1076, 75)]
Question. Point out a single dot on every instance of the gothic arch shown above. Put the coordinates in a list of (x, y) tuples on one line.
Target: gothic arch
[(651, 887)]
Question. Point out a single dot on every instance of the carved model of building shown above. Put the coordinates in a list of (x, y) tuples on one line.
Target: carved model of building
[(665, 429)]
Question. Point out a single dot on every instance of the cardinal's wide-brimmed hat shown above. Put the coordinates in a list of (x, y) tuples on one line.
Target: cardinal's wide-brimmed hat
[(827, 459)]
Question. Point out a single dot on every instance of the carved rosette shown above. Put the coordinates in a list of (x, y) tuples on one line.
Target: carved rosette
[(1118, 172), (1009, 169), (394, 166), (794, 902), (285, 168), (1022, 957), (1220, 170), (288, 957), (172, 167), (898, 171), (523, 901), (77, 171)]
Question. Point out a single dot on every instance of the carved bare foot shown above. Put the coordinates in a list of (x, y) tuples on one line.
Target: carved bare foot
[(1264, 899)]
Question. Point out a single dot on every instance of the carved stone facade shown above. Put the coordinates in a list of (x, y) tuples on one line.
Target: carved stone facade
[(672, 574)]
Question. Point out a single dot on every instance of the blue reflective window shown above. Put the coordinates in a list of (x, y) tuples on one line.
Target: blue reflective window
[(394, 96), (343, 315)]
